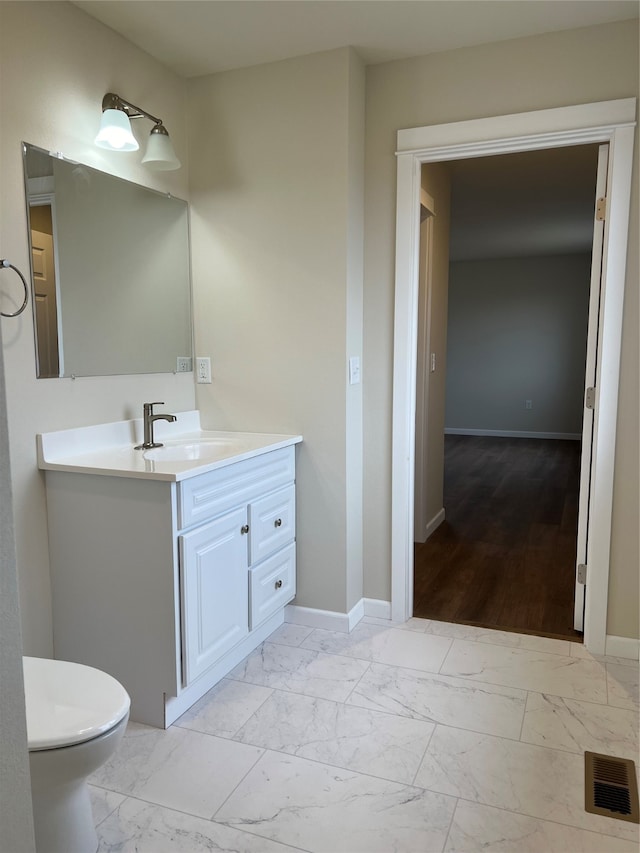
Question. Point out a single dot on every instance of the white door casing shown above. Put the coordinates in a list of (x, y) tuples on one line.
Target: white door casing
[(609, 122)]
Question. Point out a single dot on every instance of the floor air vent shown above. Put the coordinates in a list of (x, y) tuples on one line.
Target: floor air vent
[(610, 787)]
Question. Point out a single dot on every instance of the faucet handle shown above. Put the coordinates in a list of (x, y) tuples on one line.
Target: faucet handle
[(148, 407)]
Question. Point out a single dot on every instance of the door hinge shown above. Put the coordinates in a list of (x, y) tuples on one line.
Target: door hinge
[(582, 573), (590, 398), (601, 209)]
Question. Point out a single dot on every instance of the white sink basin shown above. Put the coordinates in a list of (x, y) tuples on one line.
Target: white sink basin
[(188, 450)]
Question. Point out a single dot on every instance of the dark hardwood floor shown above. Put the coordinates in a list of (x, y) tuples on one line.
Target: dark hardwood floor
[(505, 555)]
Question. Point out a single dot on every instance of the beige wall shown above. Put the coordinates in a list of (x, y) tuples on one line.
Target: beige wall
[(551, 70), (56, 63), (275, 173)]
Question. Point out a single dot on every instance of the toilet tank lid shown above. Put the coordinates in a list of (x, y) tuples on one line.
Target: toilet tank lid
[(69, 703)]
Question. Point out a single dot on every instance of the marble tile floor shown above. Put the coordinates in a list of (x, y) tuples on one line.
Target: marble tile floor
[(394, 738)]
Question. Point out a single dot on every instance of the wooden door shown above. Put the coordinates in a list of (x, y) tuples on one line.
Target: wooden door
[(46, 308)]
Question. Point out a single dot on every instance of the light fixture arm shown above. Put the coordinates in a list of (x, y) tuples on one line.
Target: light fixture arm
[(115, 102)]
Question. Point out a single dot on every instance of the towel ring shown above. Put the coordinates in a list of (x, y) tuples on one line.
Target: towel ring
[(4, 264)]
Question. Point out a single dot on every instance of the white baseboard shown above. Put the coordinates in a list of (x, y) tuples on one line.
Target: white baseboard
[(355, 614), (622, 647), (330, 620), (510, 433), (435, 522), (377, 608)]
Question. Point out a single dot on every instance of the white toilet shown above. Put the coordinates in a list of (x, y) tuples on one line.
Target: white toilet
[(76, 716)]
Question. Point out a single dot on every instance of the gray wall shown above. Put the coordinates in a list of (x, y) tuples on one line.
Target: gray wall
[(517, 331)]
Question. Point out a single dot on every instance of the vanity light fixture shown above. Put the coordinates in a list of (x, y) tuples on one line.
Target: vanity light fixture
[(115, 133)]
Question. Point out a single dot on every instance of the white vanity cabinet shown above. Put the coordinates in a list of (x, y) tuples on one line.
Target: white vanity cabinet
[(168, 584), (237, 569)]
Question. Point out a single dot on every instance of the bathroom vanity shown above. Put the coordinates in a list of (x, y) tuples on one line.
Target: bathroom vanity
[(168, 566)]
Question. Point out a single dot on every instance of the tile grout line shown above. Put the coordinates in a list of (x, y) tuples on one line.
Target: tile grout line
[(453, 815), (541, 819), (115, 808), (139, 799), (447, 653), (351, 692), (524, 716), (424, 752), (240, 781), (327, 764)]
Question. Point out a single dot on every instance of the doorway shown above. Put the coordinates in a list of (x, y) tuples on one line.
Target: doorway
[(500, 548), (612, 122)]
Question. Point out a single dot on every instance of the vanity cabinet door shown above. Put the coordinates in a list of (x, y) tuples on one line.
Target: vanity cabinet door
[(214, 591)]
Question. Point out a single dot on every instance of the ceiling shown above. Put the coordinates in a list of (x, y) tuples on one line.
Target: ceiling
[(196, 37), (512, 205)]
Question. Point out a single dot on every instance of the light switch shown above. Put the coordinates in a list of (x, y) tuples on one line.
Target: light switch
[(354, 370)]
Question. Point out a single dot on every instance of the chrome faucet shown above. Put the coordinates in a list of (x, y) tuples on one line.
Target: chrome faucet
[(148, 420)]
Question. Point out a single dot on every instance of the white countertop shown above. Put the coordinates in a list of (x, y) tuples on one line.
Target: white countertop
[(108, 449)]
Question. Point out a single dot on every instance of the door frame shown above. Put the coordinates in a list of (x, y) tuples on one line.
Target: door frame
[(606, 121)]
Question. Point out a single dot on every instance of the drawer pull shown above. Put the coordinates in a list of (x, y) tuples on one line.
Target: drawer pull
[(278, 584), (244, 528), (277, 522)]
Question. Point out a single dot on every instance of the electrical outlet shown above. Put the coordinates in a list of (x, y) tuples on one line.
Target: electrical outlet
[(203, 370), (183, 364), (528, 404)]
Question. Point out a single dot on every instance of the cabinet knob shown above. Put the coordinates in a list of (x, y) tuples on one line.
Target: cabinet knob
[(244, 528), (278, 584), (277, 522)]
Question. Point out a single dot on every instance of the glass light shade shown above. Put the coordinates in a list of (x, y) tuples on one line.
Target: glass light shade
[(115, 132), (160, 156)]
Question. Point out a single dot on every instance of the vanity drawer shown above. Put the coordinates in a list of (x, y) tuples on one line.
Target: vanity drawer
[(272, 523), (207, 495), (271, 585)]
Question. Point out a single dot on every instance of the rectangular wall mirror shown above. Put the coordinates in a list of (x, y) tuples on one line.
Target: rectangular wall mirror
[(110, 272)]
